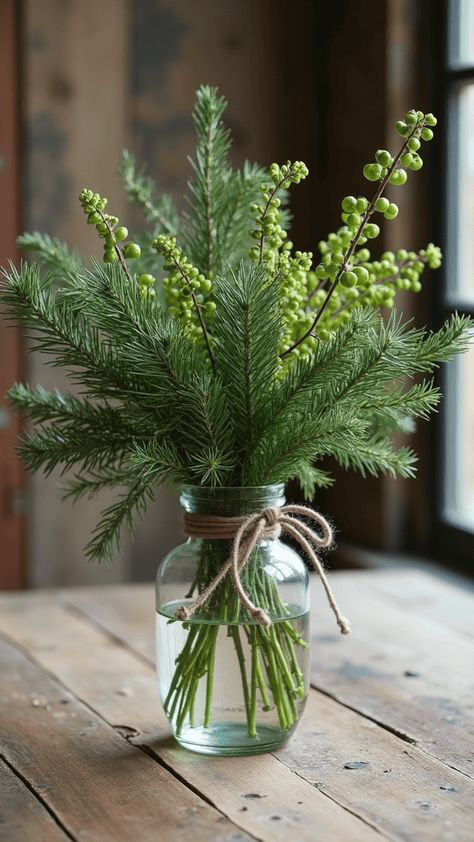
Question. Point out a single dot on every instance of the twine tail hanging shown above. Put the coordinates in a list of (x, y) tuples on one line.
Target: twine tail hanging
[(247, 532)]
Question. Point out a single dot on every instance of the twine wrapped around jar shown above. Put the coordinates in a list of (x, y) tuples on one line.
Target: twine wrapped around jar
[(247, 532)]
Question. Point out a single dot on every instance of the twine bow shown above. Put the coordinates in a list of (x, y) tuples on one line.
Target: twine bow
[(247, 533)]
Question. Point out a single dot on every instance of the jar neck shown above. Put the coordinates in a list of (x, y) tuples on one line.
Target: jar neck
[(232, 501)]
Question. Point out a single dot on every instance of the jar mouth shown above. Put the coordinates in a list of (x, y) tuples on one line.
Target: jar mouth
[(231, 499)]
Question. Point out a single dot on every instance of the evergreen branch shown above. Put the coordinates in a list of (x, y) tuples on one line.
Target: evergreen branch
[(309, 478), (247, 331), (62, 332), (51, 252), (107, 535), (211, 175), (377, 456), (68, 447), (95, 481), (141, 190), (243, 189), (278, 458)]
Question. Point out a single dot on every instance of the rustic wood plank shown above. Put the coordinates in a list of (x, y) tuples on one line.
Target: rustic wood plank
[(260, 793), (403, 669), (95, 782), (449, 603), (398, 789), (22, 816)]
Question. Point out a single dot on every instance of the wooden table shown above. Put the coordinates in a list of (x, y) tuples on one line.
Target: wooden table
[(384, 750)]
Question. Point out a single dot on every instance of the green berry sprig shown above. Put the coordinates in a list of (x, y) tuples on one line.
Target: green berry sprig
[(114, 236), (338, 256), (187, 291), (268, 229)]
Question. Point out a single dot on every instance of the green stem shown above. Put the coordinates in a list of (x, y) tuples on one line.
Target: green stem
[(252, 720), (241, 659), (210, 674)]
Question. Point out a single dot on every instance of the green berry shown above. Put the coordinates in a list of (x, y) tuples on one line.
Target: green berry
[(430, 120), (131, 251), (371, 231), (363, 255), (323, 334), (362, 204), (398, 177), (413, 144), (206, 285), (427, 134), (411, 118), (348, 204), (353, 220), (210, 307), (406, 159), (110, 256), (349, 279), (110, 240), (146, 280), (121, 233), (383, 157), (381, 204), (372, 172), (361, 274), (401, 128), (417, 163), (392, 211)]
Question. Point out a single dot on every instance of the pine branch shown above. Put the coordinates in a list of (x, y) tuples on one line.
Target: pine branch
[(247, 332), (51, 253), (208, 188), (141, 191), (277, 458), (377, 456), (243, 189), (310, 478), (149, 465)]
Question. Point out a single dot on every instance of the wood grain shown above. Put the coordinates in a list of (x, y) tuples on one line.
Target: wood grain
[(408, 671), (400, 667), (398, 789), (22, 816), (98, 785), (436, 596), (260, 794)]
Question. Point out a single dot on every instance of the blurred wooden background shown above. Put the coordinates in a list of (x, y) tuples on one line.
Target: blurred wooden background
[(323, 84)]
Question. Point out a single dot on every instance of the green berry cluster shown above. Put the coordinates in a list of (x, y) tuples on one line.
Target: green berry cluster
[(415, 127), (187, 291), (108, 228), (268, 231)]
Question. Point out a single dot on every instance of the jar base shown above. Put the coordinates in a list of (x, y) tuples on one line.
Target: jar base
[(231, 739)]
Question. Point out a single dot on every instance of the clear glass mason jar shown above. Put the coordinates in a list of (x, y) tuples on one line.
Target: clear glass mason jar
[(228, 685)]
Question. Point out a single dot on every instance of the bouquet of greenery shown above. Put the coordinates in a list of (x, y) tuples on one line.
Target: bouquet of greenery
[(210, 352)]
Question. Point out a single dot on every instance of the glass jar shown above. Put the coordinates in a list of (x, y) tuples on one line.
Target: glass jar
[(228, 685)]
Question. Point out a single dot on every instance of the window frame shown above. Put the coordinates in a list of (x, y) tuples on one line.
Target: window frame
[(451, 543)]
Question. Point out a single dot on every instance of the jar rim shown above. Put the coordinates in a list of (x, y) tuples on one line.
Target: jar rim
[(232, 499), (276, 488)]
